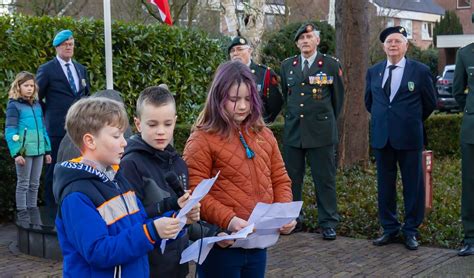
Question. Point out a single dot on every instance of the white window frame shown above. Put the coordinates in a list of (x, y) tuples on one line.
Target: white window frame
[(469, 4), (426, 31), (390, 22), (408, 25)]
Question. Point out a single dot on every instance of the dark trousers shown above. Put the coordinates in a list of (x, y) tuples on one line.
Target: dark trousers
[(467, 197), (48, 178), (323, 169), (410, 163), (233, 263)]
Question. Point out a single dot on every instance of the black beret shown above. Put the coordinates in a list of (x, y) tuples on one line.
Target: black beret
[(237, 41), (305, 28), (391, 30)]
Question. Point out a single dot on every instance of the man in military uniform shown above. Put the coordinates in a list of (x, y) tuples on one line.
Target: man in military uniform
[(265, 78), (463, 88), (313, 91)]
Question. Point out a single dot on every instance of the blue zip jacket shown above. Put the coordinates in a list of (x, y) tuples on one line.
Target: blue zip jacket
[(25, 131), (102, 227)]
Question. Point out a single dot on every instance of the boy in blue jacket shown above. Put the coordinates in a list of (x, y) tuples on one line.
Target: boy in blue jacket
[(102, 227)]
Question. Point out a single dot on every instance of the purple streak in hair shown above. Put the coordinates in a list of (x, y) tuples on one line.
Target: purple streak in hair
[(214, 116)]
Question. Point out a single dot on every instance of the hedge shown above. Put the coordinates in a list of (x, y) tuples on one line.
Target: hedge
[(143, 55)]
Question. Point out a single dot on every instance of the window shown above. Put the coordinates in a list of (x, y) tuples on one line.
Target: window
[(426, 31), (464, 3), (408, 26), (390, 22)]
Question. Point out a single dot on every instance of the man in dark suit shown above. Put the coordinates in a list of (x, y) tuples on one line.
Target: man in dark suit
[(265, 78), (61, 82), (400, 96), (313, 91), (463, 89)]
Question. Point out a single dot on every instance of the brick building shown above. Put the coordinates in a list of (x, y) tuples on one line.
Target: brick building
[(449, 44), (417, 16)]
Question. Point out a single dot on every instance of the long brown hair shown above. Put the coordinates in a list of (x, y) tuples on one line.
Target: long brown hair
[(213, 118)]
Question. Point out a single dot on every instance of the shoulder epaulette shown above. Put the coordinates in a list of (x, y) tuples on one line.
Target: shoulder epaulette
[(291, 57), (332, 57)]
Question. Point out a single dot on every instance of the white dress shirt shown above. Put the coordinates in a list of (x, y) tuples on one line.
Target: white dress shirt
[(73, 71), (397, 75)]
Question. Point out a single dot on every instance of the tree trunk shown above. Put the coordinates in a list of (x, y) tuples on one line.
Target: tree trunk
[(254, 28), (230, 17), (352, 31)]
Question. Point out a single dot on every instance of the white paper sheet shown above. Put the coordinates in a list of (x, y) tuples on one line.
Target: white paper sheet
[(268, 219), (199, 192), (192, 252)]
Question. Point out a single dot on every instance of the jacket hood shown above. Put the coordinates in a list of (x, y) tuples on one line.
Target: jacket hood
[(137, 144), (68, 172)]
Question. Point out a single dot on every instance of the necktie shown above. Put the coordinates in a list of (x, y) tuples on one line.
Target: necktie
[(305, 69), (387, 86), (71, 79)]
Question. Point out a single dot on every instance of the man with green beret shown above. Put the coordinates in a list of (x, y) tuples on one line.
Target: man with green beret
[(463, 88), (265, 78), (61, 82), (313, 91)]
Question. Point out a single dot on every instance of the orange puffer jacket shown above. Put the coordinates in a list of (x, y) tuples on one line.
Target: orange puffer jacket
[(242, 182)]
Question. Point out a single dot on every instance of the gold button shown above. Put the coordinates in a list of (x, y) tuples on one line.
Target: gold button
[(302, 105), (302, 94), (302, 84), (301, 116), (314, 91)]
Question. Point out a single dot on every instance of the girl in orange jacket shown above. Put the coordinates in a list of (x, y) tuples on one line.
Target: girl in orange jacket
[(231, 137)]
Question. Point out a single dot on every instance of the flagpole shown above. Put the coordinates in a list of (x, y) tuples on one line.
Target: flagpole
[(108, 46)]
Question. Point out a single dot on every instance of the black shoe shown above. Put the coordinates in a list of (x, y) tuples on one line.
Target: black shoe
[(411, 243), (466, 250), (299, 226), (385, 239), (329, 234)]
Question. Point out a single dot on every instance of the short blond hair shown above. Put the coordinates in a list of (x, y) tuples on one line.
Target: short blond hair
[(22, 77), (90, 115)]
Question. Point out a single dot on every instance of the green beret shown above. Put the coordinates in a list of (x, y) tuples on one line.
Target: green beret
[(237, 41), (305, 28), (61, 37), (392, 30)]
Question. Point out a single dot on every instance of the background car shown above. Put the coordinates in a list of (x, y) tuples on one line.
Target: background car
[(444, 91)]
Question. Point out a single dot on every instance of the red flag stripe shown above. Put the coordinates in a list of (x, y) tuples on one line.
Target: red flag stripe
[(164, 9)]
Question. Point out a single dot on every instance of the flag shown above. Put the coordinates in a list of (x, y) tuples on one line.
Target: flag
[(164, 9)]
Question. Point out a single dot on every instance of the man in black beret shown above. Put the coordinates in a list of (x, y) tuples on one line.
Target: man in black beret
[(313, 90), (265, 78), (400, 96)]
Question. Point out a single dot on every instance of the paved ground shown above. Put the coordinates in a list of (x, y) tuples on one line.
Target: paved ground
[(298, 255)]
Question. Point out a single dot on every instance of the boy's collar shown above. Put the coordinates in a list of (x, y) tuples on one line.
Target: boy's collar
[(109, 171)]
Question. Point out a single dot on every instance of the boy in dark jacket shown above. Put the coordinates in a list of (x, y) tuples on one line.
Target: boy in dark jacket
[(102, 227), (159, 174)]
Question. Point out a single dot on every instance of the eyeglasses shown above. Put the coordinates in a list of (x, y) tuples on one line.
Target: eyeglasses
[(394, 41), (239, 49), (67, 44)]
